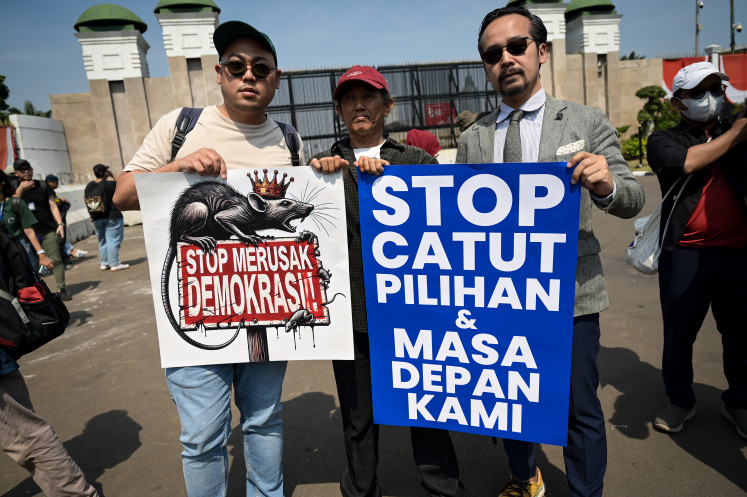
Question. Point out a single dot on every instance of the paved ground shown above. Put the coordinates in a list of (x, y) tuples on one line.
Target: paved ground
[(102, 387)]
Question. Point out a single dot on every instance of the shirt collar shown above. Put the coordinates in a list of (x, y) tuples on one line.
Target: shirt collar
[(535, 103)]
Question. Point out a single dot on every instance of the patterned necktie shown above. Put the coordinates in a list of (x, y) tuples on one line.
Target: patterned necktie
[(512, 146)]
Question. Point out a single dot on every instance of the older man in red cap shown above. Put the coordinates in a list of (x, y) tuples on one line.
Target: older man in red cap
[(363, 102)]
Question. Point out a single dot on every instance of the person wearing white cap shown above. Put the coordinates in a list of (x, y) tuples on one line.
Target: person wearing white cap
[(703, 260)]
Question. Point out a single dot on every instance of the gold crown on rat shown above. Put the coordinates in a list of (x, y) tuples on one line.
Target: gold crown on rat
[(269, 189)]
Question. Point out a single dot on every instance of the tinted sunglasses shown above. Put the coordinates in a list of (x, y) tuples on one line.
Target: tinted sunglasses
[(237, 69), (515, 47), (716, 90)]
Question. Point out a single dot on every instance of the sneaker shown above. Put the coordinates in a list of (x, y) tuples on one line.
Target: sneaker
[(119, 267), (104, 267), (518, 488), (64, 295), (738, 418), (78, 253), (672, 418)]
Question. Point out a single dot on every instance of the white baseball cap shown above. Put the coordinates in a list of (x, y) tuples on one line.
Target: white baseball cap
[(690, 76)]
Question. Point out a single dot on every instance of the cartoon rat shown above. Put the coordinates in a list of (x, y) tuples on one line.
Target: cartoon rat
[(212, 210)]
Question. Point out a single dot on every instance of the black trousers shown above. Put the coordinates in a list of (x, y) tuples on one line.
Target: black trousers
[(432, 448), (585, 455), (691, 280)]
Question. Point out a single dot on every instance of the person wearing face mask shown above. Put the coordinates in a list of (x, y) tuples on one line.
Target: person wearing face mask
[(703, 260)]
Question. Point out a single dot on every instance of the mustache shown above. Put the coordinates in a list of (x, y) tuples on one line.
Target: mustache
[(510, 71)]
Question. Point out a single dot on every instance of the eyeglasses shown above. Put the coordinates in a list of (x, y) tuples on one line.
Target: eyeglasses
[(716, 90), (237, 69), (514, 47)]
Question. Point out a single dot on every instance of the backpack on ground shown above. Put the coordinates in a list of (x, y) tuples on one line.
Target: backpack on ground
[(188, 118), (94, 197), (30, 314)]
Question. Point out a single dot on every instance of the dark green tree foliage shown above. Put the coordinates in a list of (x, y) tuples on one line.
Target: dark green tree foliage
[(4, 94), (632, 56), (30, 110), (657, 112)]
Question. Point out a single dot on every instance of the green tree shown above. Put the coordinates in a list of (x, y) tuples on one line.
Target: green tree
[(30, 110), (4, 94), (657, 111), (632, 56)]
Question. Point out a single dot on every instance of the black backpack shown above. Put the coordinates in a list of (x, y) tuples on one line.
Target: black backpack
[(94, 197), (188, 118), (30, 314)]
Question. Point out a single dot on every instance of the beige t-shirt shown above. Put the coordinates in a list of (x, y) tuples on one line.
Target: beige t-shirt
[(241, 145)]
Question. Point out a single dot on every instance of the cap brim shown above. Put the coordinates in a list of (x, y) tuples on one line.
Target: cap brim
[(340, 87)]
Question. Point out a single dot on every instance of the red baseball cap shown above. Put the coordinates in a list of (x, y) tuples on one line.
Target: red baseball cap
[(366, 74)]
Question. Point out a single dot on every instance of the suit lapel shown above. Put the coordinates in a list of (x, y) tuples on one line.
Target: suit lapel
[(553, 124), (487, 138)]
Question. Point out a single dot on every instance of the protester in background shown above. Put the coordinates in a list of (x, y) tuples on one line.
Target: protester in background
[(20, 222), (530, 126), (41, 202), (362, 101), (66, 249), (703, 260), (237, 134), (107, 219), (25, 436), (423, 139)]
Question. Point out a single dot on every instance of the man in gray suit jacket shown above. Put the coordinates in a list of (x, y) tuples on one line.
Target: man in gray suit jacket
[(531, 126)]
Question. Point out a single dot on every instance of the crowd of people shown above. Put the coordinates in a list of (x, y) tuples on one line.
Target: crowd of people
[(702, 262)]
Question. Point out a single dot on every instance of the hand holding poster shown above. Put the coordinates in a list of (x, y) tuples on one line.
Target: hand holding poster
[(470, 280), (228, 259)]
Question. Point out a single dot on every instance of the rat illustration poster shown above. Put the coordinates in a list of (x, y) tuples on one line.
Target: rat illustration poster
[(251, 268)]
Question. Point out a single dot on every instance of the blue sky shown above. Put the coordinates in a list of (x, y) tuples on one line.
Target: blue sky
[(41, 56)]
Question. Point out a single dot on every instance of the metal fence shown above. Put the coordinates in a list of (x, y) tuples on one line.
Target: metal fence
[(428, 96)]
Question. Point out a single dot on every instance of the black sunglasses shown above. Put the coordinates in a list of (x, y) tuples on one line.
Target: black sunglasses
[(514, 47), (237, 69), (716, 90)]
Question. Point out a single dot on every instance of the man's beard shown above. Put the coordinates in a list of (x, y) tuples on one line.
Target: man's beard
[(516, 88)]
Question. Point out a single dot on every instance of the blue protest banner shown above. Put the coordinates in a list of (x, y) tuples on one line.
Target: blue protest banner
[(470, 274)]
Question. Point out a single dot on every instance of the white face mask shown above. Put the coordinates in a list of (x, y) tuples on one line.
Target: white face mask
[(703, 109)]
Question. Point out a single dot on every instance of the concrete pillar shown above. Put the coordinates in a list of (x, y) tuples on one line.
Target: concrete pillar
[(106, 126)]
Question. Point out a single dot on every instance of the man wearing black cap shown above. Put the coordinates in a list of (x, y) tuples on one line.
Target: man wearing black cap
[(363, 102), (41, 202), (236, 134), (107, 219)]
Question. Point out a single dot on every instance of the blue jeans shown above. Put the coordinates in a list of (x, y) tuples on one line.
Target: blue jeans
[(110, 233), (202, 395), (30, 251)]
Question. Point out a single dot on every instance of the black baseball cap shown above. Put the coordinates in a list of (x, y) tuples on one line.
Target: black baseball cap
[(19, 164), (100, 170), (230, 30)]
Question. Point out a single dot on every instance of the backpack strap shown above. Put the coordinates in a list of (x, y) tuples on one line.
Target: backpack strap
[(16, 305), (292, 140), (184, 124)]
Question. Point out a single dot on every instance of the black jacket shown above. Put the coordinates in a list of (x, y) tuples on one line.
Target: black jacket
[(667, 151), (394, 153)]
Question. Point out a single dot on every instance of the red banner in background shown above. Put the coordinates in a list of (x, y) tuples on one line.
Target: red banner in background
[(7, 147), (735, 66), (439, 113)]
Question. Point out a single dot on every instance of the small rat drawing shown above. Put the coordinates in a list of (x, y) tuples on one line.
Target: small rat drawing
[(304, 317), (212, 210)]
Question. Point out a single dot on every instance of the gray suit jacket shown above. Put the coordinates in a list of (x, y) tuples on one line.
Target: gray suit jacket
[(566, 123)]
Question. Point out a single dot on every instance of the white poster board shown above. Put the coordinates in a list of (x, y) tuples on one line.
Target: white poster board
[(251, 268)]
